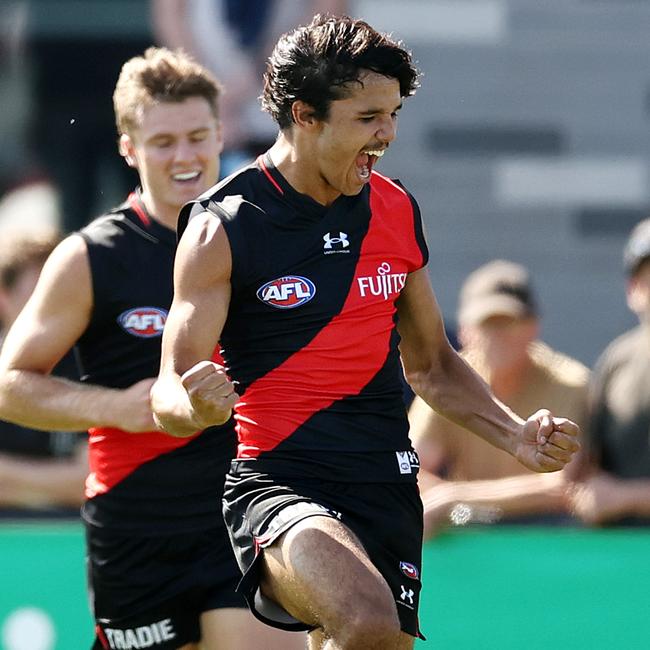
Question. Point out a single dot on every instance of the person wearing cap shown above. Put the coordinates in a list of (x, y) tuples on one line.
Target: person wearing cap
[(616, 489), (461, 477)]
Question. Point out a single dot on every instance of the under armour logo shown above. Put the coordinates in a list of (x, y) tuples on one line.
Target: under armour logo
[(407, 594), (335, 240)]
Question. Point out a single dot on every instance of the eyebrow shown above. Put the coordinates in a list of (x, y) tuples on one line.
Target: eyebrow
[(164, 135), (374, 111)]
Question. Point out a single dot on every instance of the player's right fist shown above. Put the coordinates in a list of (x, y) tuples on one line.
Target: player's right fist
[(211, 393)]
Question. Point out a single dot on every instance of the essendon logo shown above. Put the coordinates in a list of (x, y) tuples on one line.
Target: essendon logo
[(409, 570), (287, 292), (144, 322)]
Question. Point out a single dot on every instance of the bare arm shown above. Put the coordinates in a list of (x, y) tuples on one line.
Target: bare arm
[(55, 316), (447, 384), (192, 392), (602, 498), (477, 500), (170, 27), (37, 483)]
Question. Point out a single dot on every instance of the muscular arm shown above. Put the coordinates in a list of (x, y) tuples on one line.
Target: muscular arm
[(488, 499), (191, 392), (170, 26), (55, 316), (447, 384)]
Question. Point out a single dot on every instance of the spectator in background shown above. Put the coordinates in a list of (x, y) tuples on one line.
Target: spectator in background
[(234, 38), (74, 68), (41, 472), (617, 486), (159, 559), (462, 477)]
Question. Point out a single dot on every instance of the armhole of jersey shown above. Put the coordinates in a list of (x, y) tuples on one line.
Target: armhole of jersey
[(184, 217), (92, 265), (238, 254), (237, 250), (418, 228)]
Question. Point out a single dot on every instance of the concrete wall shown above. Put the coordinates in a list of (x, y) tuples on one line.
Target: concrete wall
[(529, 140)]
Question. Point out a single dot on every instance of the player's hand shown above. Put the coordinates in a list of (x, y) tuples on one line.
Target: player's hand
[(546, 443), (211, 393), (133, 410)]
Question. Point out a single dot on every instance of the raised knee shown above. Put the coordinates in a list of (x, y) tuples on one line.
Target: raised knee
[(369, 622)]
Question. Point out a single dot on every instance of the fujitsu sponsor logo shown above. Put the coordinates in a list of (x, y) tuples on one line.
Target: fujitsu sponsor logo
[(383, 284), (143, 322), (145, 636)]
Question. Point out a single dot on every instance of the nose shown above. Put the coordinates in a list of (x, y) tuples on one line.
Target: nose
[(184, 151), (388, 129)]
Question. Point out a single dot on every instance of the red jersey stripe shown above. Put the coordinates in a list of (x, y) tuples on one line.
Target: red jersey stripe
[(114, 454)]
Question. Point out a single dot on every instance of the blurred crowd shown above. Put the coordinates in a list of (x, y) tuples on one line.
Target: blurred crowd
[(60, 167)]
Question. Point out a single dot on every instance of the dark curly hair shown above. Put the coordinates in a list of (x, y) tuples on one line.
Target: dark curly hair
[(317, 63)]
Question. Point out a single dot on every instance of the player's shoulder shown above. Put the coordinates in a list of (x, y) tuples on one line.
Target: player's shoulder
[(386, 185), (389, 195), (225, 200), (108, 226)]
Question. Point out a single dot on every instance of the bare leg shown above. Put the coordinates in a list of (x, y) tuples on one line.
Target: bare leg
[(225, 629), (320, 573), (317, 641)]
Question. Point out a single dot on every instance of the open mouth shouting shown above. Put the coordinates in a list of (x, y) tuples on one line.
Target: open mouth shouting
[(365, 162)]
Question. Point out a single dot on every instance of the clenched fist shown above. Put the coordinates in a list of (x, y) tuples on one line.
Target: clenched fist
[(547, 443), (211, 393)]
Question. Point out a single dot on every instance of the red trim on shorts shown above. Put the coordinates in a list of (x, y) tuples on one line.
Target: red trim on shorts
[(102, 637)]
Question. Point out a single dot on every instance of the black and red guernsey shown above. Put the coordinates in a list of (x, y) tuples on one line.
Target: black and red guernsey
[(149, 482), (311, 332)]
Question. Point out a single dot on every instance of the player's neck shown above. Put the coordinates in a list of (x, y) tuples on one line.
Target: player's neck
[(299, 169), (159, 211)]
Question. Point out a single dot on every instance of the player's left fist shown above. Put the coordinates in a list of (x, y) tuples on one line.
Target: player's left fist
[(547, 443)]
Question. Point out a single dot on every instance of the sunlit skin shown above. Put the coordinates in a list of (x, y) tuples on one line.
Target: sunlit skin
[(502, 342), (176, 151), (327, 157)]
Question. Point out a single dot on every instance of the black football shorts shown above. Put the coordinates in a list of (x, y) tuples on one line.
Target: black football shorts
[(386, 518), (150, 591)]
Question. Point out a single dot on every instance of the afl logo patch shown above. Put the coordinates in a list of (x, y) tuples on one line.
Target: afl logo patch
[(144, 322), (287, 292), (409, 570)]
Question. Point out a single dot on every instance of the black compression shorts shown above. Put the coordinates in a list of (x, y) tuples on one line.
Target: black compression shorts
[(386, 518), (152, 590)]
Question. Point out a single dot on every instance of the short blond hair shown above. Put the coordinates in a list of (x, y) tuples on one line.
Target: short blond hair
[(160, 75)]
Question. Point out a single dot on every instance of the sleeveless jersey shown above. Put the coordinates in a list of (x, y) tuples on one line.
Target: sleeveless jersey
[(311, 332), (149, 482)]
